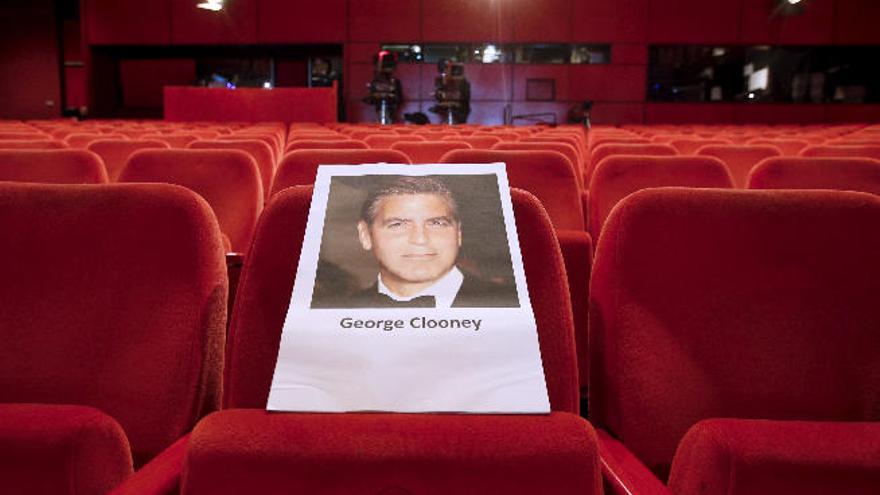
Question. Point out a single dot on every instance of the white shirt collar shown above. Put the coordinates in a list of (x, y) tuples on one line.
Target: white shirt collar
[(444, 290)]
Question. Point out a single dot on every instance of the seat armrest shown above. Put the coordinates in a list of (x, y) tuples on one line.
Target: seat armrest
[(743, 456), (577, 254), (61, 449), (160, 476), (255, 451), (623, 473)]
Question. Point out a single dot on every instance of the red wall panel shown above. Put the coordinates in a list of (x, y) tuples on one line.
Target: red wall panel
[(127, 22), (610, 20), (762, 23), (29, 76), (778, 114), (186, 104), (466, 20), (384, 20), (558, 73), (694, 21), (856, 22), (689, 113), (541, 21), (617, 113), (284, 21), (629, 54), (143, 80), (235, 24), (75, 94), (852, 113), (361, 52), (607, 82)]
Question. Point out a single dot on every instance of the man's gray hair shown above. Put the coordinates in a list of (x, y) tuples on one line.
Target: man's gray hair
[(407, 185)]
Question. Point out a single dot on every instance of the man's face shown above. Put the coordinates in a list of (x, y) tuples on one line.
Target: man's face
[(414, 238)]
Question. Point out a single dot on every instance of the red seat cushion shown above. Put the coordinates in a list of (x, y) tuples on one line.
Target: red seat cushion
[(61, 450), (750, 457), (253, 451), (727, 303), (116, 299)]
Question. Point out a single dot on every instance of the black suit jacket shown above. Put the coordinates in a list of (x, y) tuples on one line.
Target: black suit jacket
[(473, 293)]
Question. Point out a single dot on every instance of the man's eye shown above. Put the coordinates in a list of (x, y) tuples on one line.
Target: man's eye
[(396, 225), (439, 223)]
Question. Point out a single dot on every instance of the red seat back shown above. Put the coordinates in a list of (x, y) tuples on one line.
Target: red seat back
[(744, 304), (605, 150), (40, 144), (267, 281), (546, 174), (429, 151), (298, 168), (116, 299), (115, 152), (689, 146), (739, 159), (852, 174), (619, 176), (313, 144), (229, 180), (258, 149), (788, 147), (854, 151), (60, 166)]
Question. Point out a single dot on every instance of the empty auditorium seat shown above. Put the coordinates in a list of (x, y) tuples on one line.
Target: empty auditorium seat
[(258, 149), (23, 135), (548, 175), (739, 159), (115, 152), (605, 150), (759, 457), (855, 151), (299, 167), (690, 146), (477, 142), (428, 151), (788, 147), (619, 176), (388, 139), (82, 140), (342, 144), (566, 149), (709, 303), (41, 144), (853, 174), (59, 166), (229, 180), (112, 325), (404, 453)]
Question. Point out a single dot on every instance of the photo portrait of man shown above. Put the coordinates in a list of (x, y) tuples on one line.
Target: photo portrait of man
[(412, 229)]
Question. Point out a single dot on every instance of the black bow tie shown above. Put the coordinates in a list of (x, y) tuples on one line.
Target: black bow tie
[(418, 302)]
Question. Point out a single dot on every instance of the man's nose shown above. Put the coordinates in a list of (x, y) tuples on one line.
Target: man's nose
[(418, 234)]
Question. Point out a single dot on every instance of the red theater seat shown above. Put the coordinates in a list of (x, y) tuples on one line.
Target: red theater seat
[(710, 303), (81, 140), (61, 166), (341, 144), (854, 151), (229, 180), (258, 149), (739, 159), (546, 174), (566, 149), (788, 147), (619, 176), (42, 144), (299, 167), (751, 457), (387, 453), (429, 151), (388, 139), (115, 152), (605, 150), (690, 146), (112, 325), (853, 174)]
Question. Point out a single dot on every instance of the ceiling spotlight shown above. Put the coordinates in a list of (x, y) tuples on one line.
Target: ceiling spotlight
[(212, 5), (793, 2), (789, 7)]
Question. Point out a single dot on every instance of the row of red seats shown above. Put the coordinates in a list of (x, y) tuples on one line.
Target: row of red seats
[(704, 304)]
